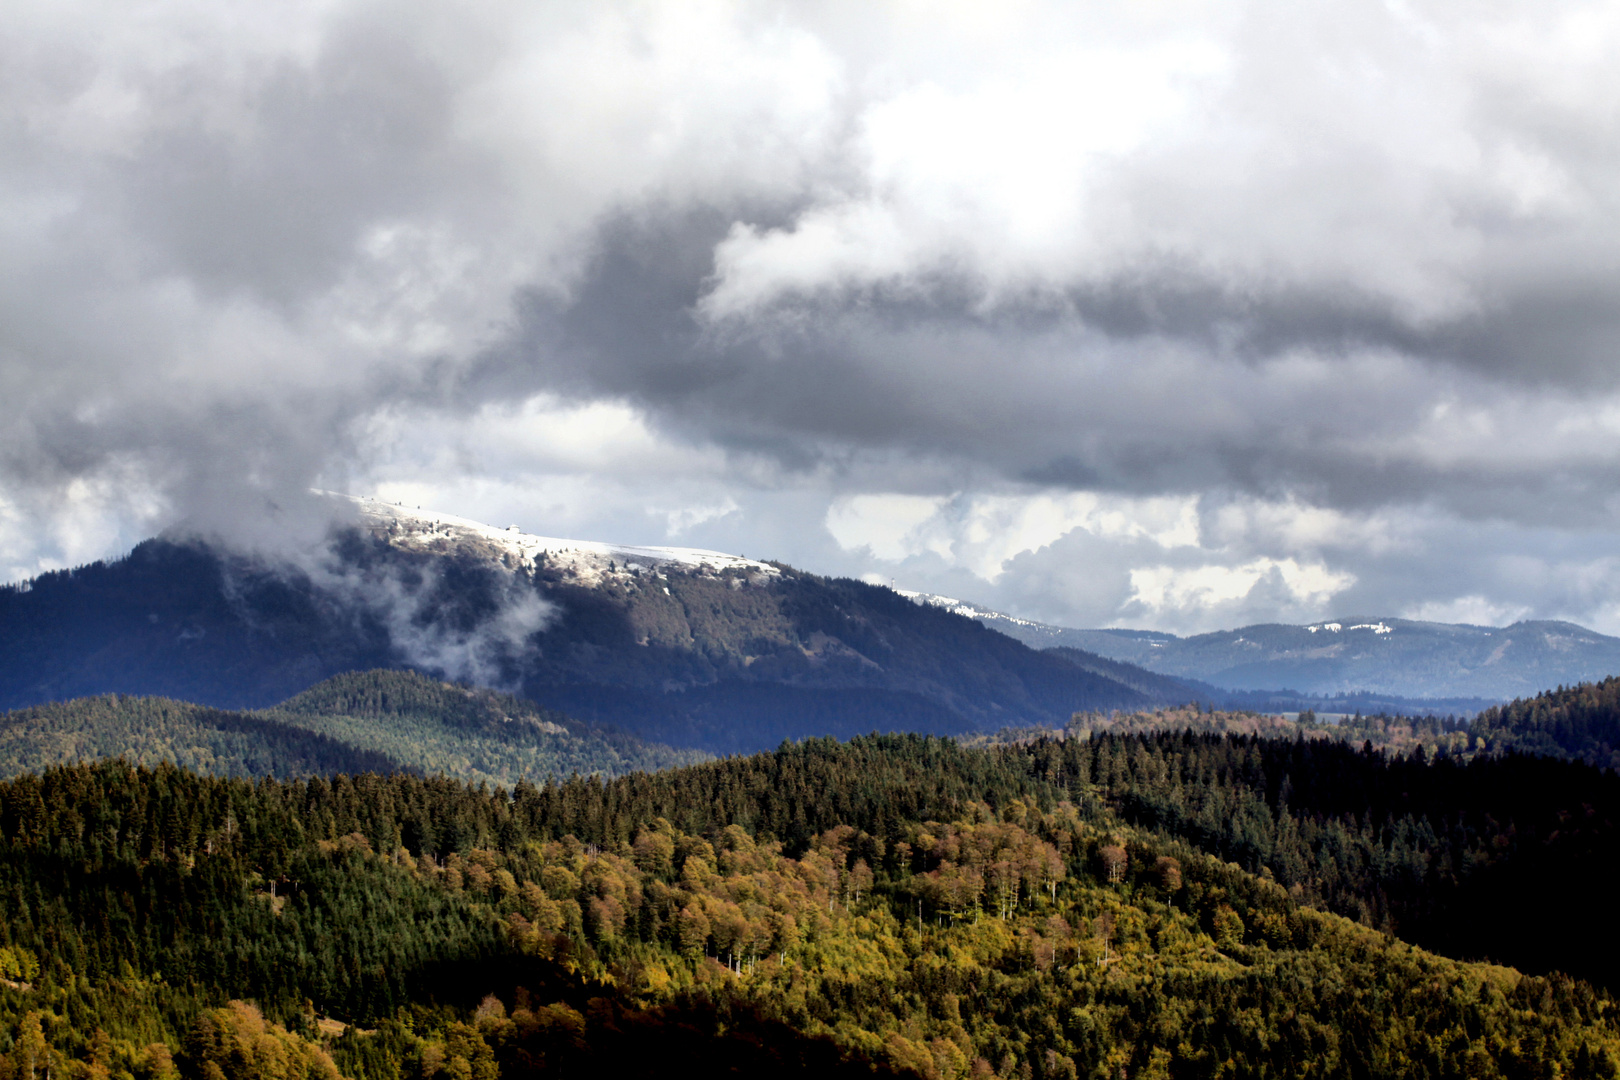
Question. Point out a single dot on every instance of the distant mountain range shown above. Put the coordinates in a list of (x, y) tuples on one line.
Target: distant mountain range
[(695, 648), (1378, 656), (679, 646)]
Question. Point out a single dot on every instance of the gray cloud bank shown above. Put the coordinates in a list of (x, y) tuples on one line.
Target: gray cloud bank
[(1163, 314)]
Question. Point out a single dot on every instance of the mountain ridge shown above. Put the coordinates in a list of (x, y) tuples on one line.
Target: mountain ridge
[(672, 644), (1381, 655)]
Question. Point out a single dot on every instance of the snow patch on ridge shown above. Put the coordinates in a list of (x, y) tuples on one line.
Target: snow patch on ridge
[(584, 562), (962, 607), (1379, 627)]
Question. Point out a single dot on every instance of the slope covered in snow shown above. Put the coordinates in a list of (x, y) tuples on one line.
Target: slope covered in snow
[(582, 562)]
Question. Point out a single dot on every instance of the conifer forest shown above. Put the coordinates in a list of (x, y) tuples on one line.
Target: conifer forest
[(1184, 894), (809, 540)]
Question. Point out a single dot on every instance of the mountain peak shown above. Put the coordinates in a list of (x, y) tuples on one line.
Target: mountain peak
[(579, 562)]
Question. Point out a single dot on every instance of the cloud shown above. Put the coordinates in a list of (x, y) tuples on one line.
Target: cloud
[(228, 241), (475, 628), (1473, 610), (1159, 589), (885, 525), (1113, 313), (90, 515), (983, 532)]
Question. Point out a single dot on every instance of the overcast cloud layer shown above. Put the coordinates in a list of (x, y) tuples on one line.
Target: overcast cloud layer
[(1164, 315)]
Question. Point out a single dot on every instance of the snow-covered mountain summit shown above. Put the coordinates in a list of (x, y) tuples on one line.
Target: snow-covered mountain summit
[(1037, 635), (960, 607), (580, 562)]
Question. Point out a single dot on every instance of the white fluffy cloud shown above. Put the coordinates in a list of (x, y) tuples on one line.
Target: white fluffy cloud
[(1168, 589), (982, 532)]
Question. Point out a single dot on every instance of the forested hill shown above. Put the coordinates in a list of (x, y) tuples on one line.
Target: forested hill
[(478, 735), (1433, 850), (400, 695), (893, 904), (724, 654), (1579, 721), (377, 721), (152, 730), (179, 620)]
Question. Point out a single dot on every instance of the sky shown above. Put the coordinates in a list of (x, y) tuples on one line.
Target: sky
[(1162, 315)]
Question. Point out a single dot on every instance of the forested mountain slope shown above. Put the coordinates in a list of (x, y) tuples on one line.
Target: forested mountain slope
[(897, 902), (376, 721), (179, 620), (478, 735), (1391, 734), (739, 669), (1579, 721), (149, 730), (680, 646), (1433, 851)]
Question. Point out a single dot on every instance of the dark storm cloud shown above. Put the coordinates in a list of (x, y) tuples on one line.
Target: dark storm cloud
[(1337, 258), (331, 148), (186, 197), (231, 235), (1177, 393)]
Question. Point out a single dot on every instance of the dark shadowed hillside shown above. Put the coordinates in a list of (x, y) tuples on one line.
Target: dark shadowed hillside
[(372, 721), (695, 647), (178, 620), (720, 663)]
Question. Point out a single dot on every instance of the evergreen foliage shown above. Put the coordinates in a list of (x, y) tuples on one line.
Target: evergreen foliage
[(150, 730), (894, 904), (378, 721), (430, 726), (1436, 851), (1580, 721)]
